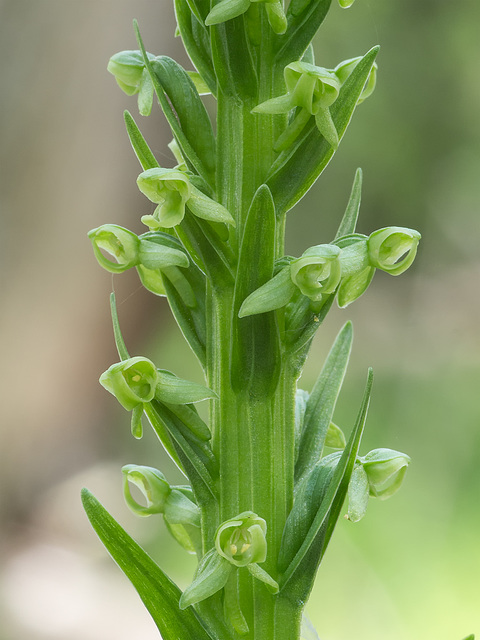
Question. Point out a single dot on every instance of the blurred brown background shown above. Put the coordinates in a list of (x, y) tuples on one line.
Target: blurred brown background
[(411, 569)]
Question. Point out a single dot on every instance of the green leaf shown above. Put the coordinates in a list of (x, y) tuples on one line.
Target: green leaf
[(301, 571), (232, 59), (141, 148), (350, 217), (192, 456), (211, 576), (296, 169), (309, 496), (260, 574), (274, 294), (190, 320), (197, 430), (159, 594), (255, 354), (163, 435), (321, 403), (185, 130), (196, 41), (189, 109), (174, 390), (304, 20), (119, 341)]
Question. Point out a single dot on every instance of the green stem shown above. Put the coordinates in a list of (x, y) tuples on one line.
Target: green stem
[(252, 432)]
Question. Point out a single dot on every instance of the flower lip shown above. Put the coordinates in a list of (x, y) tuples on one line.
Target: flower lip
[(241, 540), (132, 381), (317, 271)]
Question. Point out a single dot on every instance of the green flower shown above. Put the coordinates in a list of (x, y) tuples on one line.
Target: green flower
[(172, 190), (123, 245), (132, 77), (385, 471), (313, 90), (318, 271), (241, 540), (393, 249), (151, 483), (132, 382)]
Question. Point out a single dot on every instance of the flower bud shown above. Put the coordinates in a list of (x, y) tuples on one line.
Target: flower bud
[(123, 245), (385, 470), (345, 68), (393, 249), (132, 381), (317, 272), (153, 486), (241, 540)]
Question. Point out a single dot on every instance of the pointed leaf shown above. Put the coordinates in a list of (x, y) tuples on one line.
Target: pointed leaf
[(196, 41), (189, 109), (260, 574), (140, 146), (197, 430), (159, 594), (274, 294), (211, 576), (303, 567), (349, 220), (190, 320), (304, 20), (321, 403), (119, 341), (163, 435), (255, 353), (175, 390), (183, 137), (191, 456)]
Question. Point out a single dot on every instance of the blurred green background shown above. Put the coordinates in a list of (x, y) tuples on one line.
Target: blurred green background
[(411, 569)]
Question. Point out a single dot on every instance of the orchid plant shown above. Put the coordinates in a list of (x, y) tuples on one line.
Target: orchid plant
[(267, 474)]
